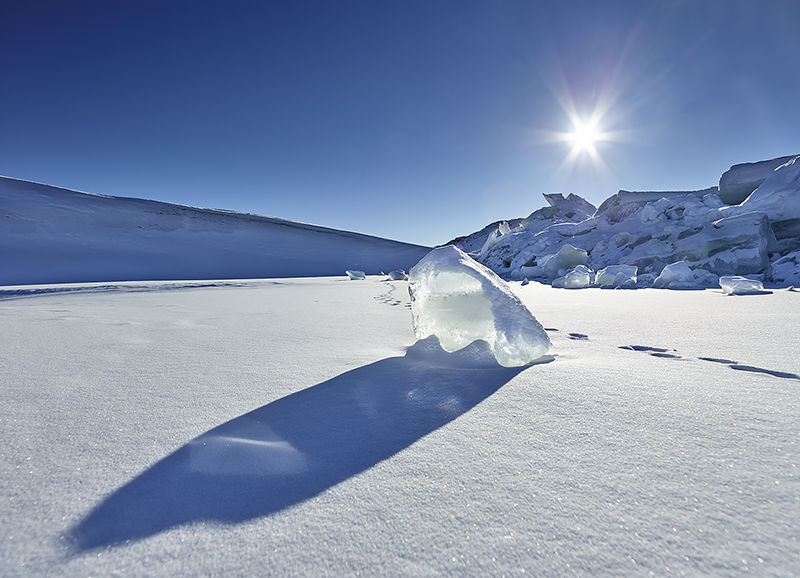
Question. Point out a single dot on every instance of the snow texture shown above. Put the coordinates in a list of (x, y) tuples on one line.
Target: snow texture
[(252, 428), (460, 301), (54, 235)]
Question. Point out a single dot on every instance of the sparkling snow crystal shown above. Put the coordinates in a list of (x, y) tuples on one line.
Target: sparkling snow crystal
[(460, 301)]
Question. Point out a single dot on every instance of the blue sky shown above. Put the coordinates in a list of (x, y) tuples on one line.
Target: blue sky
[(414, 120)]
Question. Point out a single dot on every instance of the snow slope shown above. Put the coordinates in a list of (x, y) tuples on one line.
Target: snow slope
[(54, 235), (244, 428)]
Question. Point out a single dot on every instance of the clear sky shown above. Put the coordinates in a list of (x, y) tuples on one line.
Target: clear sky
[(417, 120)]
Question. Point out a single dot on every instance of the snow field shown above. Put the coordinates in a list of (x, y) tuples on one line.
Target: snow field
[(662, 438)]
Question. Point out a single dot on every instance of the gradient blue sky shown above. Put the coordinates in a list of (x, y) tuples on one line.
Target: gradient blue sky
[(414, 120)]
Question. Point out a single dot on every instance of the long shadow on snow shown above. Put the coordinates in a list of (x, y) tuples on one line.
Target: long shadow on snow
[(291, 449)]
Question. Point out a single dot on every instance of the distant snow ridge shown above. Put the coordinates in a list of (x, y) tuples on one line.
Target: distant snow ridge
[(695, 233), (54, 235), (460, 301)]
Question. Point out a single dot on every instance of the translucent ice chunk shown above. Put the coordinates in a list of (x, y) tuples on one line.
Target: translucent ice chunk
[(580, 277), (617, 276), (356, 275), (676, 276), (567, 258), (398, 275), (735, 285), (460, 301), (491, 241)]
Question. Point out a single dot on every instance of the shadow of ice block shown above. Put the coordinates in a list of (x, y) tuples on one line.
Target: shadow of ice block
[(296, 447), (460, 301)]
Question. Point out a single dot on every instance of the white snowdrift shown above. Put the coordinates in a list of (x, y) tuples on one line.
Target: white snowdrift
[(646, 232), (460, 301), (54, 235)]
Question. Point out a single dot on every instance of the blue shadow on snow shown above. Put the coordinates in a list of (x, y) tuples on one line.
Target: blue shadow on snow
[(292, 449)]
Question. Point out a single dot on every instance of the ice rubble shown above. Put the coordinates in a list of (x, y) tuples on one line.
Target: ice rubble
[(356, 275), (694, 232), (460, 301), (571, 209)]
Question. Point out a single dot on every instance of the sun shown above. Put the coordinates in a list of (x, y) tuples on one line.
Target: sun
[(584, 137)]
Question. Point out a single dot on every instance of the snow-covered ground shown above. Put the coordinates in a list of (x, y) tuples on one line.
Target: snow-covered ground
[(54, 235), (275, 427)]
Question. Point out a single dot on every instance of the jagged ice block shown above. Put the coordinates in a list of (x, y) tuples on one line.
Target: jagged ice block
[(460, 301)]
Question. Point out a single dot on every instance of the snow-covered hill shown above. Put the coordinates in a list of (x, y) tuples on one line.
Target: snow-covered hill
[(54, 235)]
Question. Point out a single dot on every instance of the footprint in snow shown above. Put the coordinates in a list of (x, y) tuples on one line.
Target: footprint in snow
[(735, 365)]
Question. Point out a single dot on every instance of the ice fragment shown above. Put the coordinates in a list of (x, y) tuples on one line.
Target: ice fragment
[(676, 276), (356, 275), (460, 301), (617, 276), (735, 285), (398, 275)]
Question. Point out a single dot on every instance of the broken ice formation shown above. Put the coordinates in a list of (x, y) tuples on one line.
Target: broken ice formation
[(398, 275), (460, 301), (356, 275), (649, 230), (735, 285)]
